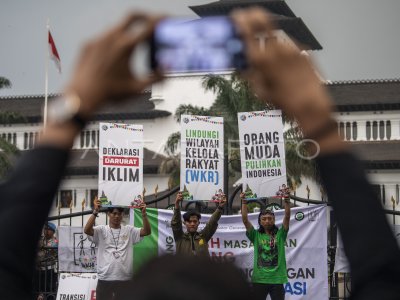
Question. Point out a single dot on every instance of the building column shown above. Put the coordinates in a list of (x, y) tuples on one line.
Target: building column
[(361, 130), (20, 140), (395, 127)]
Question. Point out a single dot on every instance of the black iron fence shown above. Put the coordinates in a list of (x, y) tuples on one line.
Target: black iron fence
[(46, 276)]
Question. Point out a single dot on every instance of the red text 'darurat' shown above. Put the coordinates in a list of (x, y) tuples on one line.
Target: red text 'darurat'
[(120, 161)]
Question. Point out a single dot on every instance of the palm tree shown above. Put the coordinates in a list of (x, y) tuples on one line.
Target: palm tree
[(234, 95), (7, 150), (4, 83)]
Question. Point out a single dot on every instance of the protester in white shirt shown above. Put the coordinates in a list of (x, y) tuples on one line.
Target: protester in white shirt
[(115, 244)]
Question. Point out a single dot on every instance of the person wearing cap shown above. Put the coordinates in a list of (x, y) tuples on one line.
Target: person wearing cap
[(194, 242), (46, 276), (269, 271)]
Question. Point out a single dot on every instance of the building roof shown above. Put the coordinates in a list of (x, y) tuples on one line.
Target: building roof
[(86, 162), (223, 7), (31, 106), (378, 154), (283, 16), (366, 95)]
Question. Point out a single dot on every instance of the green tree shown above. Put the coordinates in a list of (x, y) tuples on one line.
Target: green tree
[(4, 83), (7, 153), (7, 150), (234, 95)]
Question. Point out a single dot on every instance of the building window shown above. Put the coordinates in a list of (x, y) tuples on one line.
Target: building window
[(378, 193), (14, 139), (354, 131), (368, 130), (341, 130), (388, 130), (30, 143), (82, 139), (25, 141), (93, 139), (375, 130), (348, 131), (381, 130), (65, 198), (87, 139)]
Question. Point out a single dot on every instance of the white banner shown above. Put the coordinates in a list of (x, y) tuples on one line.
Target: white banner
[(77, 286), (262, 153), (202, 157), (306, 247), (76, 253), (120, 163)]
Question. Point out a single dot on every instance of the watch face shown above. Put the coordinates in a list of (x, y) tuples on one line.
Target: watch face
[(63, 109)]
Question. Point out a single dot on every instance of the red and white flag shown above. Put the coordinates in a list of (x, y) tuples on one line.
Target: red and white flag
[(53, 53)]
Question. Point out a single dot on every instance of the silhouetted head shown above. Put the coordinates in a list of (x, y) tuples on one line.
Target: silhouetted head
[(184, 277)]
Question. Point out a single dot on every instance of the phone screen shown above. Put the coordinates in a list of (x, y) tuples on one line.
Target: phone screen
[(207, 44)]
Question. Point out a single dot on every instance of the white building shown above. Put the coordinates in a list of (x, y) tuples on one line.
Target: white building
[(368, 116)]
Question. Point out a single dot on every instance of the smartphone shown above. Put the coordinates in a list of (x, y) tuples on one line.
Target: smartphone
[(207, 44)]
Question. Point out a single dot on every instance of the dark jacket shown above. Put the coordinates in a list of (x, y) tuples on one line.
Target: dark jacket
[(199, 240), (26, 198)]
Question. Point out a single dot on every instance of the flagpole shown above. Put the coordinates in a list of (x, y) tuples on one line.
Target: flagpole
[(46, 80)]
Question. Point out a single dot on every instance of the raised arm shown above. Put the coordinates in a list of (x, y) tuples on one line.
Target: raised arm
[(102, 75), (176, 222), (245, 218), (286, 218), (90, 223), (212, 224), (146, 229)]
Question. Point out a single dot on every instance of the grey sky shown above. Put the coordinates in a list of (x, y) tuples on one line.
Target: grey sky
[(359, 37)]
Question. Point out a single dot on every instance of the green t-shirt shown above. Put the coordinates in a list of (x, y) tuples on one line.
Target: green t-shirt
[(269, 257)]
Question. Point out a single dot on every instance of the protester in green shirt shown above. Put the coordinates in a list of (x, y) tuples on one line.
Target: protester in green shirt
[(269, 271)]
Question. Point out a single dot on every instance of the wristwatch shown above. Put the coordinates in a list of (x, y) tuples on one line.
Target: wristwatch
[(95, 213), (66, 109)]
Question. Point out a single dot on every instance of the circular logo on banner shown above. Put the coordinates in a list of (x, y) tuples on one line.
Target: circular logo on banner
[(185, 120), (299, 216), (104, 127), (243, 117)]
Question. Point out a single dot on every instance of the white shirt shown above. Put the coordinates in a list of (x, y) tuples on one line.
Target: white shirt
[(115, 251)]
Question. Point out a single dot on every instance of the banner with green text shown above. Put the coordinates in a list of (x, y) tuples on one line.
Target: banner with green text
[(262, 153), (202, 157), (306, 246)]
